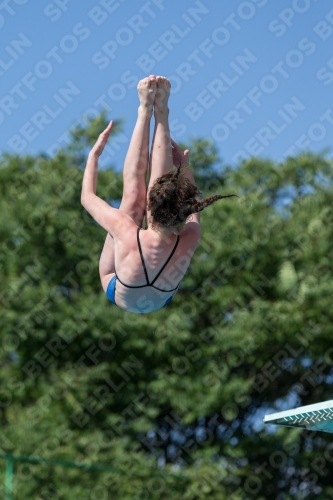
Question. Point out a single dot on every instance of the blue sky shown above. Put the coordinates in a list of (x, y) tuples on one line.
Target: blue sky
[(256, 77)]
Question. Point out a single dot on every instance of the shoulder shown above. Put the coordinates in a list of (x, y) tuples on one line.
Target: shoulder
[(113, 220), (125, 229), (191, 234)]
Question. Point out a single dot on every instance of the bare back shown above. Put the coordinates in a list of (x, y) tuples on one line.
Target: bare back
[(156, 249)]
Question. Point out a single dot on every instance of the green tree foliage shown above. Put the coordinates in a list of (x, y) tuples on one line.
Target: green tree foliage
[(171, 401)]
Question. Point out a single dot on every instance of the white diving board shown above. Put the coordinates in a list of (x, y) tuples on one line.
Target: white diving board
[(317, 417)]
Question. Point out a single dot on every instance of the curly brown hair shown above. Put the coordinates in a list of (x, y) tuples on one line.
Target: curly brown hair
[(173, 198)]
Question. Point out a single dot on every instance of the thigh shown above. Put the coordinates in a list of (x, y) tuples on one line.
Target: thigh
[(134, 206), (133, 203)]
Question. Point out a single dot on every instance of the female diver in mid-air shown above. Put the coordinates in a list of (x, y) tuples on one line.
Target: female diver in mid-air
[(140, 270)]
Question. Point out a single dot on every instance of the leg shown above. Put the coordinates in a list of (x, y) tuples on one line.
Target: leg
[(136, 162), (134, 174), (161, 152)]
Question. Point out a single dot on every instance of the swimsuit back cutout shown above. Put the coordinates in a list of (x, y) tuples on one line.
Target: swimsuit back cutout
[(145, 269)]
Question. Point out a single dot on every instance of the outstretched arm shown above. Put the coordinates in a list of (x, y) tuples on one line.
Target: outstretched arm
[(89, 182), (111, 219)]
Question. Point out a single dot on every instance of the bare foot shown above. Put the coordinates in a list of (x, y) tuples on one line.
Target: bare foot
[(162, 94), (147, 92)]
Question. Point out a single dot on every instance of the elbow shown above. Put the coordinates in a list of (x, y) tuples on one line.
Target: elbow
[(84, 200), (87, 200)]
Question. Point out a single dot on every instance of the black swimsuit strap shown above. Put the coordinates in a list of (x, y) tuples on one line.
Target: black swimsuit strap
[(143, 262), (129, 286), (160, 289), (173, 251), (141, 255), (145, 269)]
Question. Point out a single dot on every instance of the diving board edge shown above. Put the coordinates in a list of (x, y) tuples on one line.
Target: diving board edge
[(303, 416)]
